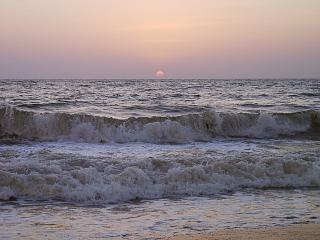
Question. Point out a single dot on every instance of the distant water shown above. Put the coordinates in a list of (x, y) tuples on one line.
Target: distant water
[(172, 144)]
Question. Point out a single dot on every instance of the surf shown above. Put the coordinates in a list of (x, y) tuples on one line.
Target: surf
[(24, 124)]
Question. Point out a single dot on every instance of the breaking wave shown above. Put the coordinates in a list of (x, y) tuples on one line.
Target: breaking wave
[(83, 180), (18, 123)]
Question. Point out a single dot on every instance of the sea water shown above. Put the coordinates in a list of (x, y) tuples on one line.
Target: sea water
[(148, 158)]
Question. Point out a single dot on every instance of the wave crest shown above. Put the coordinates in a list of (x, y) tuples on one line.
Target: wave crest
[(17, 123), (65, 182)]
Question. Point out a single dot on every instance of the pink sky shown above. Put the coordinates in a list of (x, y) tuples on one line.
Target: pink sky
[(135, 39)]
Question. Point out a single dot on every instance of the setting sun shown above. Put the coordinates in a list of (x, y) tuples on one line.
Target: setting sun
[(160, 73), (160, 119)]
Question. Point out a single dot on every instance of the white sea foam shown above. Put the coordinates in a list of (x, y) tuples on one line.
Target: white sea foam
[(178, 129), (68, 177)]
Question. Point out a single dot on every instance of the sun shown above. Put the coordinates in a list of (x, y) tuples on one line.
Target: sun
[(160, 73)]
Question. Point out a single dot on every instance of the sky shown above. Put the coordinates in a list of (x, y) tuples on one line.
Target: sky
[(140, 38)]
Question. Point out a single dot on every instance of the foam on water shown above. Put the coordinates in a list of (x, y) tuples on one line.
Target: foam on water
[(114, 176), (176, 129), (170, 133), (158, 219)]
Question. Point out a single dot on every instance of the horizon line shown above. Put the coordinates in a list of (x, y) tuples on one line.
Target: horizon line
[(250, 78)]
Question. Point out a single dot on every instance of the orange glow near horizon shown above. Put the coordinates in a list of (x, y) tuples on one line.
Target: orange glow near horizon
[(191, 37), (160, 73)]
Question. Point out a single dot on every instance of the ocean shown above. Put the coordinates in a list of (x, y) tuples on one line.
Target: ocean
[(144, 159)]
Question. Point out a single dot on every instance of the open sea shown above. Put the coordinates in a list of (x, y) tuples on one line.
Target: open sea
[(146, 159)]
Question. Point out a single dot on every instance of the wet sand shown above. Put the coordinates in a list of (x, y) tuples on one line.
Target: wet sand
[(292, 232)]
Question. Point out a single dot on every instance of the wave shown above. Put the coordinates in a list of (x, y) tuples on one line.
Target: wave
[(18, 123), (85, 180)]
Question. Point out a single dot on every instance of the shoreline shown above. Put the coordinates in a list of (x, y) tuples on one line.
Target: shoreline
[(291, 232)]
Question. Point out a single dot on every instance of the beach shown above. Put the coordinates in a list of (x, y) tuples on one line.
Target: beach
[(160, 120), (292, 232)]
